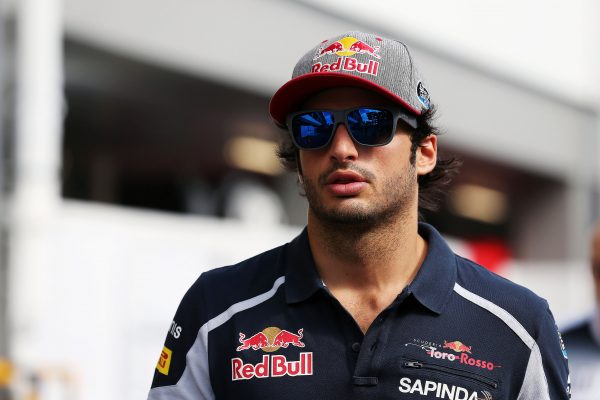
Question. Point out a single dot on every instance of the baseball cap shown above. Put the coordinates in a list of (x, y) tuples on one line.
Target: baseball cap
[(355, 59)]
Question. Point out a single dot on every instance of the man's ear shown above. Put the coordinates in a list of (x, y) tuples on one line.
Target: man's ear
[(426, 156)]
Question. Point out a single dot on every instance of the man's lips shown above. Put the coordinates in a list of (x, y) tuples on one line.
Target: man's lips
[(345, 183), (344, 177)]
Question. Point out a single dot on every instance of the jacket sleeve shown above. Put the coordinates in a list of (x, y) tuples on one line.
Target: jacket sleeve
[(547, 375), (182, 370)]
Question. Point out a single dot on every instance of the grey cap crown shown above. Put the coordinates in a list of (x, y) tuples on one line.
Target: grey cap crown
[(354, 59), (396, 70)]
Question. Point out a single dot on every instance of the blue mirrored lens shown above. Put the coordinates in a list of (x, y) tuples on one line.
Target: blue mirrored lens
[(312, 129), (371, 126)]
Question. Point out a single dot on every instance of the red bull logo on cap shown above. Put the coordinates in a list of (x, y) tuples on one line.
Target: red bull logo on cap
[(345, 48), (270, 340)]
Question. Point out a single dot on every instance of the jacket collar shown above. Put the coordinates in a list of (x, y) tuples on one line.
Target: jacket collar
[(301, 277), (432, 286), (435, 280)]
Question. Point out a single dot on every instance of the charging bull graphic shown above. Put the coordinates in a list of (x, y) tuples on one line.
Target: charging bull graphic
[(285, 338), (271, 339), (457, 346), (347, 46), (255, 342)]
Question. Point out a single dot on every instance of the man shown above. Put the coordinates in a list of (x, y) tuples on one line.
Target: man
[(583, 339), (366, 303)]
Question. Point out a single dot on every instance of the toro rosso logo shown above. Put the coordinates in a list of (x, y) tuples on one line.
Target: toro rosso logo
[(345, 48), (457, 346), (434, 350), (270, 340)]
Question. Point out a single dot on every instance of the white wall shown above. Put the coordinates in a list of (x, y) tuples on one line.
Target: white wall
[(551, 45), (108, 288)]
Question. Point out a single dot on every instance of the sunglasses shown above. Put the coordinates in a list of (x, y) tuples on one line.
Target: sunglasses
[(368, 126)]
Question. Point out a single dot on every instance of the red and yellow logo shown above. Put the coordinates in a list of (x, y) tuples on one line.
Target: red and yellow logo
[(347, 46), (164, 362), (271, 339), (457, 346), (345, 49)]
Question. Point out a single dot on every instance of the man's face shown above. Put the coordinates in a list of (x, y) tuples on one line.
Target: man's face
[(353, 184)]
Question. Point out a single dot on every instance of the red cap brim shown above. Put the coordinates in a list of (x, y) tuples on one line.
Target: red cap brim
[(293, 93)]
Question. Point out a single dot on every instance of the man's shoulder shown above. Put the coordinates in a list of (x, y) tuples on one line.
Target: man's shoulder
[(485, 282), (474, 279), (496, 292), (217, 290)]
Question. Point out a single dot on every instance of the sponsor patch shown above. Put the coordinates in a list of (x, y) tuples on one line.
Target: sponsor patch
[(175, 330), (347, 64), (459, 353), (345, 49), (270, 340), (423, 95), (440, 390), (164, 362), (562, 346), (272, 366), (457, 346), (347, 46)]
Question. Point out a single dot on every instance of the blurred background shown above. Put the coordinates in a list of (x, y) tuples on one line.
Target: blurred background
[(137, 152)]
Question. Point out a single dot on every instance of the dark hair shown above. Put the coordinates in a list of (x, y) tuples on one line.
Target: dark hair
[(432, 186)]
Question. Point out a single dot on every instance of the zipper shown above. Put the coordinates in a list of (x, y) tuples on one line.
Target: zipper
[(452, 371)]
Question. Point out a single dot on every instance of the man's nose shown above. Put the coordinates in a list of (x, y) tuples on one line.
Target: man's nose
[(342, 147)]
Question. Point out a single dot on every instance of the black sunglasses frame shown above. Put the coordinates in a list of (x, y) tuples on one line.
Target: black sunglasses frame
[(341, 117)]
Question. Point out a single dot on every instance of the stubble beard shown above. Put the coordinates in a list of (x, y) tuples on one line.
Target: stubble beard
[(392, 201)]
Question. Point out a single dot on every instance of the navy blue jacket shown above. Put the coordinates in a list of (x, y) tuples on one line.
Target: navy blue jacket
[(268, 328)]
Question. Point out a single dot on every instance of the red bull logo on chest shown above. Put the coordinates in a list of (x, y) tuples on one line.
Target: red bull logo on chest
[(274, 366), (270, 340), (345, 48)]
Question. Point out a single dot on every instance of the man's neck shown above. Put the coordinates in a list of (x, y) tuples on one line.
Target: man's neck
[(366, 268), (374, 259)]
